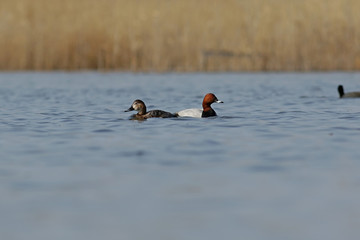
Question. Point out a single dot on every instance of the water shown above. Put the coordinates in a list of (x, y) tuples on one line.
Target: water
[(281, 161)]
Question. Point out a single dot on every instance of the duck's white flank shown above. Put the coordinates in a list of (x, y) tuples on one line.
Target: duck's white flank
[(192, 112)]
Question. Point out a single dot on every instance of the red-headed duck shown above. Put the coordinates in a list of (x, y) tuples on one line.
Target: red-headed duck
[(207, 111), (347, 95), (139, 106)]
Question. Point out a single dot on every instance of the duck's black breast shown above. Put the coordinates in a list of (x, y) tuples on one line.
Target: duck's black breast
[(159, 114), (208, 113)]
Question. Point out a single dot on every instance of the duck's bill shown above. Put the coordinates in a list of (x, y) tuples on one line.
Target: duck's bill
[(130, 109), (218, 101)]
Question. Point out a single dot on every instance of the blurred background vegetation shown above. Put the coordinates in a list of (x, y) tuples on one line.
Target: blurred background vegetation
[(180, 35)]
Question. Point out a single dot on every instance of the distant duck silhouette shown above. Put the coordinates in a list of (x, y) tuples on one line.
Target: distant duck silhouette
[(139, 106), (207, 110), (342, 94)]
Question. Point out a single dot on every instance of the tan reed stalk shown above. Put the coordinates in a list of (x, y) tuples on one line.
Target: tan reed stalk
[(180, 35)]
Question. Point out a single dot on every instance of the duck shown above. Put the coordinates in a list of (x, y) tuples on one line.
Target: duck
[(139, 105), (347, 95), (207, 111)]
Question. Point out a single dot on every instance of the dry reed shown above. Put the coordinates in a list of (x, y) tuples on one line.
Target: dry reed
[(180, 35)]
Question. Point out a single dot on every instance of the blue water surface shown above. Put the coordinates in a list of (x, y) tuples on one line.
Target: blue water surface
[(281, 160)]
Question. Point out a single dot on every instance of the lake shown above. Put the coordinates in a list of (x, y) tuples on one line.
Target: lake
[(281, 160)]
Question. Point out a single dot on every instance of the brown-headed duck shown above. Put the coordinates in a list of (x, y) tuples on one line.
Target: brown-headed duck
[(139, 106), (207, 111)]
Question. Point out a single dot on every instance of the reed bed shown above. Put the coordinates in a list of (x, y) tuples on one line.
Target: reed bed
[(180, 35)]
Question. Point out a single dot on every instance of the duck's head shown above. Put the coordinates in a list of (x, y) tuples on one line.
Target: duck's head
[(137, 105), (209, 99), (341, 90)]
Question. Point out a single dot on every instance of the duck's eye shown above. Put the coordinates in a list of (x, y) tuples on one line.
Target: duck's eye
[(136, 105)]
